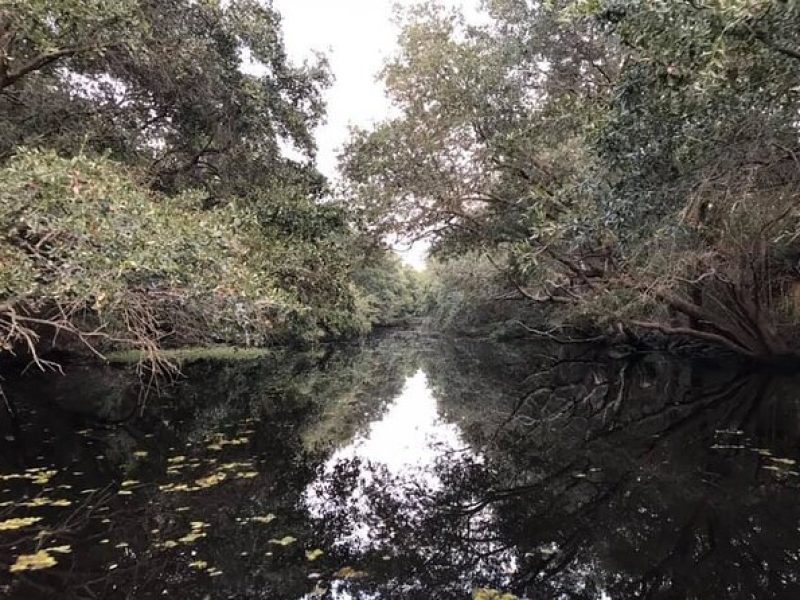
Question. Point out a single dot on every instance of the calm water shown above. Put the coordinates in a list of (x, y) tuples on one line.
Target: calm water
[(406, 468)]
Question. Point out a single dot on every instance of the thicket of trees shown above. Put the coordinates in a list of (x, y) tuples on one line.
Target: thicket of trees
[(145, 194), (625, 164), (587, 164)]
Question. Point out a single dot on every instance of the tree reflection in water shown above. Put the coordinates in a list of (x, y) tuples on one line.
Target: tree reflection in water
[(386, 484), (411, 468), (590, 478)]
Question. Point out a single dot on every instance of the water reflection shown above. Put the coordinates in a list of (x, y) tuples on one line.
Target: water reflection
[(409, 437), (411, 468), (401, 449)]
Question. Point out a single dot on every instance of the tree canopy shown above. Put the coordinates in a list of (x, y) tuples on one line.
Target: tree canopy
[(158, 182), (615, 160), (199, 94)]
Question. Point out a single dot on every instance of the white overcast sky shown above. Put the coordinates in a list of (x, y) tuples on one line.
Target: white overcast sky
[(357, 36)]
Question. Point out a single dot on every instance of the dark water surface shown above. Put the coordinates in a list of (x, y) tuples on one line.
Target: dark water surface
[(406, 468)]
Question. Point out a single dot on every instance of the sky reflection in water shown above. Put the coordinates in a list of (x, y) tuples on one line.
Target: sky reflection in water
[(400, 452), (405, 443)]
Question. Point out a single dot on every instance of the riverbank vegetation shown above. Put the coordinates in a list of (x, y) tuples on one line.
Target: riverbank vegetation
[(584, 170), (158, 187), (607, 167)]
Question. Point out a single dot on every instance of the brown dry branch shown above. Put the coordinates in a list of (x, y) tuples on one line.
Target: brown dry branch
[(20, 328)]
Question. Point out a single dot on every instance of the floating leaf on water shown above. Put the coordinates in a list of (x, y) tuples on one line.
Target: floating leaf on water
[(37, 475), (349, 573), (112, 566), (313, 555), (170, 544), (182, 509), (192, 537), (488, 594), (130, 482), (104, 541), (246, 474), (125, 493), (213, 572), (122, 545), (33, 562), (19, 523), (218, 444), (269, 518), (140, 454), (783, 461), (65, 549), (177, 487), (284, 541), (211, 480), (44, 501), (198, 564), (44, 477), (232, 466), (176, 459)]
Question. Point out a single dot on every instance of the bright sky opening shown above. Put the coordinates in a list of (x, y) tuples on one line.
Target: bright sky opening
[(357, 36)]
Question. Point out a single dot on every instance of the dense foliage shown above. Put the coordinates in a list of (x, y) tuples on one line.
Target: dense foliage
[(200, 94), (623, 162), (146, 197)]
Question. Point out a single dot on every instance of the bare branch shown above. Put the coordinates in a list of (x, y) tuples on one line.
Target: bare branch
[(697, 334)]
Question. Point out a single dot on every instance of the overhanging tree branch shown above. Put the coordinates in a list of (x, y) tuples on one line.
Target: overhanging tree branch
[(8, 78)]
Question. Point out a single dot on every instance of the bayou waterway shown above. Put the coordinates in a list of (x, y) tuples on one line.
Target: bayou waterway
[(406, 467)]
